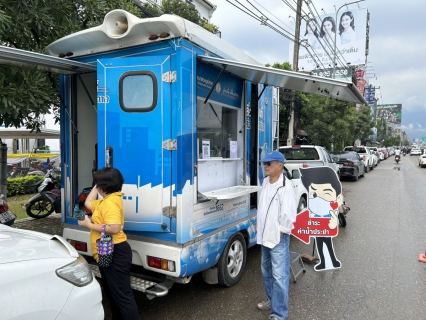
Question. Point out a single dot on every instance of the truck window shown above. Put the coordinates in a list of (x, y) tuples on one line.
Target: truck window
[(217, 125), (138, 91), (301, 154), (356, 149)]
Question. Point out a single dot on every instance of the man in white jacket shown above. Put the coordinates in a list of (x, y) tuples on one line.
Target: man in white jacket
[(276, 214)]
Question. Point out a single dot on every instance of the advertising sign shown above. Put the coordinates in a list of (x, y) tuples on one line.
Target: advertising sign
[(324, 34), (392, 113), (370, 96), (360, 84), (339, 73)]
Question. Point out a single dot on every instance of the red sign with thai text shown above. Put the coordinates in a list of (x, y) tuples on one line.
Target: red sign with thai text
[(306, 227)]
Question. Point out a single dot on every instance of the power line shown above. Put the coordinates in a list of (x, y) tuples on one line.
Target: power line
[(274, 16), (263, 19)]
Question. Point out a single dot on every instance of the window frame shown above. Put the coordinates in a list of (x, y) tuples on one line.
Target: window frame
[(154, 91)]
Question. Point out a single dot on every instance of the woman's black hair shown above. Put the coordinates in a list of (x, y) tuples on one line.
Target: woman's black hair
[(333, 26), (316, 29), (109, 180), (320, 175), (350, 15)]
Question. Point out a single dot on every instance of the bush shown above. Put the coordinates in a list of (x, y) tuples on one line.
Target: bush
[(20, 185)]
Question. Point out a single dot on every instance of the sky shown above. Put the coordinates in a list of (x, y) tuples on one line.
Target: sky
[(396, 52)]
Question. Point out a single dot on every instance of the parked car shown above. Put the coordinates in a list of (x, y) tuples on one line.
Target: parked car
[(350, 164), (415, 151), (304, 156), (365, 154), (376, 152), (422, 159), (44, 277), (375, 159), (385, 153)]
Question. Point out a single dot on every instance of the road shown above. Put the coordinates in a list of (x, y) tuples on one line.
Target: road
[(380, 276)]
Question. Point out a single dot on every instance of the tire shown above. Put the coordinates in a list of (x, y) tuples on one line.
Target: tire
[(367, 168), (356, 176), (302, 204), (39, 208), (342, 220), (232, 261), (372, 166)]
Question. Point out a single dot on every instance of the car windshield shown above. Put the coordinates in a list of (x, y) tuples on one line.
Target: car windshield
[(300, 154)]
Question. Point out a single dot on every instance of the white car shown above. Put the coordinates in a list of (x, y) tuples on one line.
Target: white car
[(44, 277), (422, 159), (415, 151), (375, 159)]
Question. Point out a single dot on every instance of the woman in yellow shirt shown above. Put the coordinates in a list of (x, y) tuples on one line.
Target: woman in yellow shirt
[(109, 211)]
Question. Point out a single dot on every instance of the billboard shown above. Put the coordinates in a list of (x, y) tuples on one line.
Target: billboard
[(370, 96), (391, 113), (349, 30), (339, 73)]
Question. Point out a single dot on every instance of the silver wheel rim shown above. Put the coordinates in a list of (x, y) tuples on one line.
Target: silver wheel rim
[(235, 258)]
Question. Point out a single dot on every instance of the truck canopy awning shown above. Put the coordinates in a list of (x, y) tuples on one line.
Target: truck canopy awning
[(21, 58), (334, 89)]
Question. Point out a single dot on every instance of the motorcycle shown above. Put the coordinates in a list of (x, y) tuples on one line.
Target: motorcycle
[(7, 217), (397, 158), (48, 198)]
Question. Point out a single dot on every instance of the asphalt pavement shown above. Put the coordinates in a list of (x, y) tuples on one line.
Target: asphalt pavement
[(380, 276)]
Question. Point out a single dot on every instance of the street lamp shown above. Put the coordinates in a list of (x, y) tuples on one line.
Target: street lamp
[(335, 35)]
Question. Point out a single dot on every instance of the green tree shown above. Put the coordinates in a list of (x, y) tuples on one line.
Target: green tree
[(26, 94), (179, 8)]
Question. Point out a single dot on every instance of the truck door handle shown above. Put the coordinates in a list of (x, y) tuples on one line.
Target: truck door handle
[(109, 157)]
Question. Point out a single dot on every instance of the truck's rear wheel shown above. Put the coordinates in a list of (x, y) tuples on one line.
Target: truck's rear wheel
[(232, 261)]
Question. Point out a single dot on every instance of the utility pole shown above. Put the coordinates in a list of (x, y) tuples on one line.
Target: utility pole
[(290, 138)]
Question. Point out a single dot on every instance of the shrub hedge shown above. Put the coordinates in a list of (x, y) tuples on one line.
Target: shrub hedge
[(20, 185)]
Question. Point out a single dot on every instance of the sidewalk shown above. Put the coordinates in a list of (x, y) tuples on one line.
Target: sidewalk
[(50, 225)]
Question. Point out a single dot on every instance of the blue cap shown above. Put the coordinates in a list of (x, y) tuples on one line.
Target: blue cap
[(274, 156)]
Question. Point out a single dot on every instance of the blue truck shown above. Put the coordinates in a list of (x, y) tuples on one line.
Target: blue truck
[(185, 117)]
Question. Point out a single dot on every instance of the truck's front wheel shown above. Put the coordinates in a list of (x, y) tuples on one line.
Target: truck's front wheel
[(231, 263)]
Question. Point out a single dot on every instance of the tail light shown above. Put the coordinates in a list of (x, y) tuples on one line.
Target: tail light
[(305, 165), (78, 245), (364, 157), (348, 164), (162, 264)]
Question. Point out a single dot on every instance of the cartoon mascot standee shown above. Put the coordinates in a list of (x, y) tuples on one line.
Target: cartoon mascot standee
[(320, 219)]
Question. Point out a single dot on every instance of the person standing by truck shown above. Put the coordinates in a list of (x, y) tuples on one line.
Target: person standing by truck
[(277, 203), (109, 211)]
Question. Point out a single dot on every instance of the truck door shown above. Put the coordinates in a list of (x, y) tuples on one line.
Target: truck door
[(264, 128), (134, 133)]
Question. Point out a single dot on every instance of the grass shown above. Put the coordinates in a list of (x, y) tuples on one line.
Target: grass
[(17, 204)]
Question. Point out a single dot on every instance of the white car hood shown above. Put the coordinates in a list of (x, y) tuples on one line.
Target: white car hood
[(20, 245)]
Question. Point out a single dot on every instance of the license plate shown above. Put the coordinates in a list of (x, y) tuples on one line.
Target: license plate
[(7, 216)]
